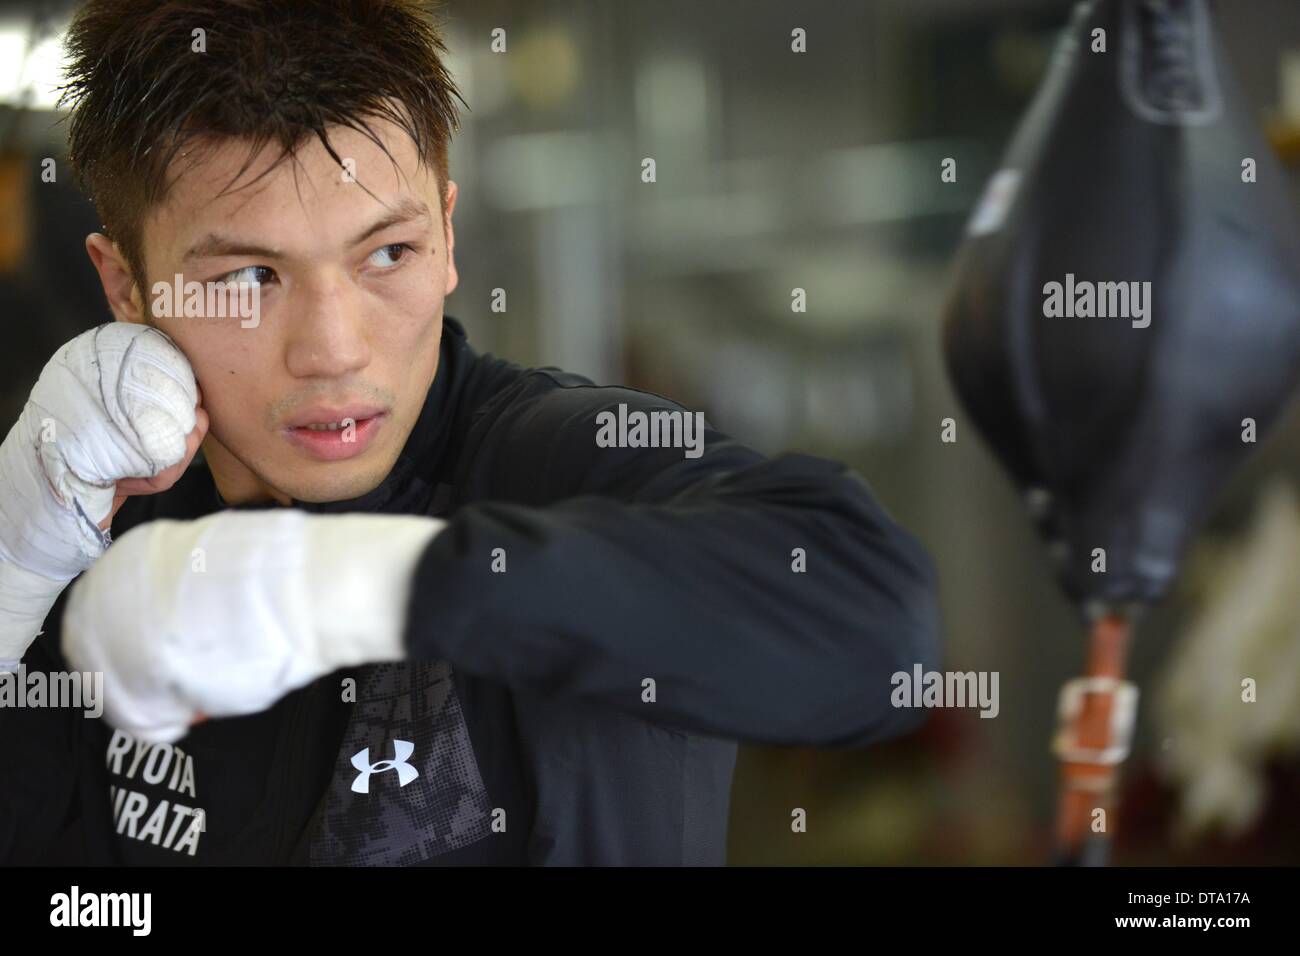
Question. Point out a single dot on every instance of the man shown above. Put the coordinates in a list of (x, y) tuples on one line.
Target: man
[(415, 605)]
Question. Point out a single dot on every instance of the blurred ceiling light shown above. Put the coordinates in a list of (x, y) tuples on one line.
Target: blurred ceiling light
[(1289, 70), (478, 73), (547, 170), (893, 181), (851, 286), (710, 218), (29, 77), (544, 67), (672, 104)]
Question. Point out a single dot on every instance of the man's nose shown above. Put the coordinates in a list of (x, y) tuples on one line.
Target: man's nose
[(327, 336)]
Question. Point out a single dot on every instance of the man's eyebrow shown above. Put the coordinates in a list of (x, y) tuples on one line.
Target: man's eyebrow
[(406, 210), (213, 245)]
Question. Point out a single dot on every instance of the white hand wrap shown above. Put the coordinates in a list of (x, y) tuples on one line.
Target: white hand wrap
[(116, 402), (227, 614)]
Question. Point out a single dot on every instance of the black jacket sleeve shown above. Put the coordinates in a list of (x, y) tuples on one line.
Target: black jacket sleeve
[(40, 820), (629, 565)]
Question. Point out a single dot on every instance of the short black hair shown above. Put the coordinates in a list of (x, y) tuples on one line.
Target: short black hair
[(274, 71)]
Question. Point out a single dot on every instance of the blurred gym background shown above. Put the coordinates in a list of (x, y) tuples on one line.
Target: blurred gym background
[(818, 171)]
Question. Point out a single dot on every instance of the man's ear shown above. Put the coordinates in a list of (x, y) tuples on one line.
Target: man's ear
[(453, 279), (123, 295)]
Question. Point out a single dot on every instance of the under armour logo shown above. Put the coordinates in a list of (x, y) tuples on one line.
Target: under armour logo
[(405, 772)]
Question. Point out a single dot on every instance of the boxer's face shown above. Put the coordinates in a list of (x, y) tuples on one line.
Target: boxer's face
[(349, 308)]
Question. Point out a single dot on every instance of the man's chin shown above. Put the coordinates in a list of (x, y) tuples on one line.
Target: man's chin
[(335, 484), (292, 477)]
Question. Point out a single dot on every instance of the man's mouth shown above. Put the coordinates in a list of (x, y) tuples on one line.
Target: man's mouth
[(334, 434)]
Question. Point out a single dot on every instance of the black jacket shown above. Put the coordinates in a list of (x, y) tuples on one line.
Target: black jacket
[(526, 697)]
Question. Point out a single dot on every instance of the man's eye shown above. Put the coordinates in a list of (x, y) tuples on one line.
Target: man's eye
[(388, 256), (250, 275)]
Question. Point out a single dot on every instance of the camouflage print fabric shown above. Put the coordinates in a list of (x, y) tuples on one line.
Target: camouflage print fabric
[(369, 817)]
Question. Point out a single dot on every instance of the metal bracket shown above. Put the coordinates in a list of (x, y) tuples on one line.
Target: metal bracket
[(1123, 712)]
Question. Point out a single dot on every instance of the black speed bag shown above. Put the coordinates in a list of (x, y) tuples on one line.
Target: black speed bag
[(1127, 294)]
